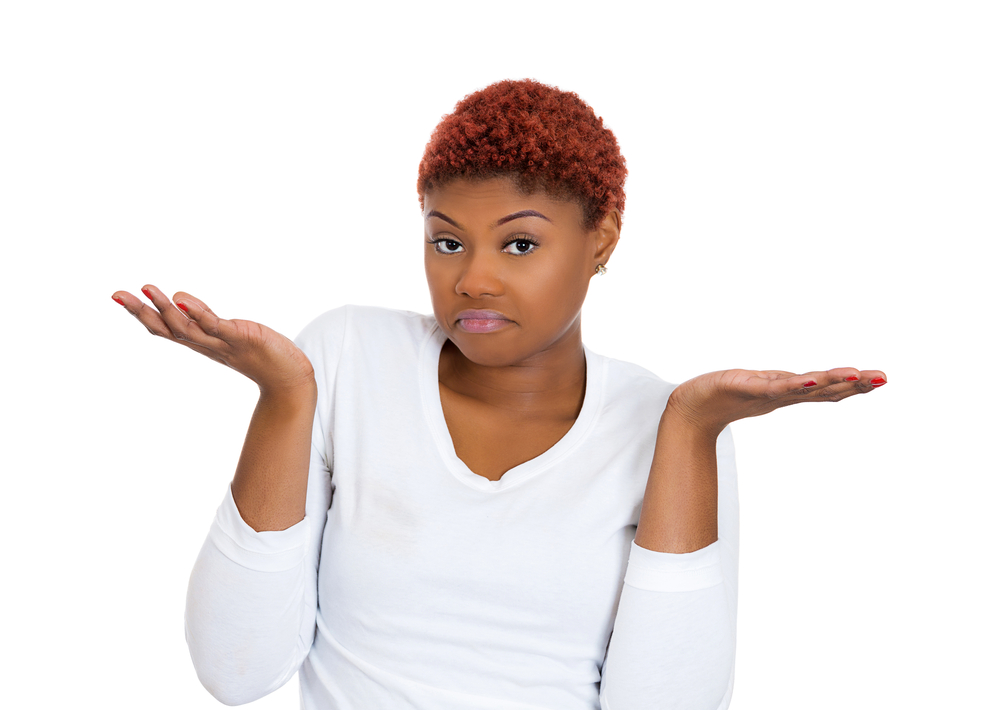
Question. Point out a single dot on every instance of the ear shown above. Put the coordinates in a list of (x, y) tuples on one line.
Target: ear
[(606, 238)]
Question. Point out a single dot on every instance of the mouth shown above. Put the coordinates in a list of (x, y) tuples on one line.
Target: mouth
[(481, 321)]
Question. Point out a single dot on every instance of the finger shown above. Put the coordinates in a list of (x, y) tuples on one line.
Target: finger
[(845, 374), (789, 388), (175, 320), (834, 385), (149, 317), (874, 378), (205, 317), (806, 382), (776, 374), (189, 299), (861, 381), (182, 328), (126, 300), (152, 320), (837, 384)]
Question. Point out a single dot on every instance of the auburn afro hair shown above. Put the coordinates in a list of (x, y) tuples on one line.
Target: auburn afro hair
[(543, 138)]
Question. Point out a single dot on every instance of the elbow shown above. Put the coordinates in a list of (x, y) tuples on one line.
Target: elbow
[(233, 685), (228, 693), (228, 696), (226, 683), (235, 677), (239, 652)]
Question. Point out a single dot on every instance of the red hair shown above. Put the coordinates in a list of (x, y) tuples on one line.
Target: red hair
[(543, 138)]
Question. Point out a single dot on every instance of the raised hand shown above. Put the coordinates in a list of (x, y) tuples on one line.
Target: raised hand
[(268, 358), (712, 401), (680, 507)]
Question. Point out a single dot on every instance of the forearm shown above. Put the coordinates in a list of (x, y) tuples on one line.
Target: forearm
[(250, 615), (674, 637), (680, 507), (269, 487)]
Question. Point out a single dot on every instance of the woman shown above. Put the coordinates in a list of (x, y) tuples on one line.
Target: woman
[(438, 512)]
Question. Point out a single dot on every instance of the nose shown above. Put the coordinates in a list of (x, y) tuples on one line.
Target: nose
[(480, 277)]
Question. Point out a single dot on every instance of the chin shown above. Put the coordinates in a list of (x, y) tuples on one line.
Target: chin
[(487, 350)]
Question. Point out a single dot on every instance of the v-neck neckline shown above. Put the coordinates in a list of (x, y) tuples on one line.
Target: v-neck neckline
[(430, 356)]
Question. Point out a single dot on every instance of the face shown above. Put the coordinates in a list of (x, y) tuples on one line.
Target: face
[(508, 272)]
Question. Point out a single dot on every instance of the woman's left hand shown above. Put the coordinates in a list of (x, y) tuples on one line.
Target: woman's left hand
[(712, 401)]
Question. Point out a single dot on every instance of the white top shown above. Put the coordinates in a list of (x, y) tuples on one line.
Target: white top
[(412, 582)]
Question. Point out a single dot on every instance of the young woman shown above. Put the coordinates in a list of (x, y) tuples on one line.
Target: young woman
[(444, 512)]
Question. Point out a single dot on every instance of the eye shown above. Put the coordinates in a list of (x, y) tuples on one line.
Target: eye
[(447, 246), (520, 246)]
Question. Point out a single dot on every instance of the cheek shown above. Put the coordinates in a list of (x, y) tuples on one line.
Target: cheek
[(440, 286), (436, 275), (560, 292)]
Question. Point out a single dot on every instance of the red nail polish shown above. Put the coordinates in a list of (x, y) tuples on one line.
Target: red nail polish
[(878, 382), (117, 300), (852, 378), (810, 383), (148, 294), (182, 307)]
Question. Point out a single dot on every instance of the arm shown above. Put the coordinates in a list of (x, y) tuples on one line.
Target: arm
[(674, 639), (270, 482), (251, 605), (269, 487), (679, 508), (252, 597)]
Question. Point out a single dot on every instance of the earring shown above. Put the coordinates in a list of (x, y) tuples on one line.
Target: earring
[(601, 269)]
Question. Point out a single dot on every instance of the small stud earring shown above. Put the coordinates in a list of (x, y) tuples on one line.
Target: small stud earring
[(601, 269)]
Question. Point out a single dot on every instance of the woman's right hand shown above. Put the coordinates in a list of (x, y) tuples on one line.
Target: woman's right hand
[(268, 358)]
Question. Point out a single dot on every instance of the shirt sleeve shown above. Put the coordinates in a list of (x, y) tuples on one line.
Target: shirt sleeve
[(250, 618), (674, 639)]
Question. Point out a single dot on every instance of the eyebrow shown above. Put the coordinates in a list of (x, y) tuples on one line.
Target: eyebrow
[(519, 215), (449, 220), (502, 220)]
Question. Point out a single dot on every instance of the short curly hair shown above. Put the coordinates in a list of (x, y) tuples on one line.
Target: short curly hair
[(542, 137)]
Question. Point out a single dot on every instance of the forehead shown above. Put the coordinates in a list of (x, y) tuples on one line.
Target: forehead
[(487, 200)]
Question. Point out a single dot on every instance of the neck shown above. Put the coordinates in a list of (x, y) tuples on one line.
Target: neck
[(549, 383)]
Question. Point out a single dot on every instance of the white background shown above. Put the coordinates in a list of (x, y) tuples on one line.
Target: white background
[(811, 186)]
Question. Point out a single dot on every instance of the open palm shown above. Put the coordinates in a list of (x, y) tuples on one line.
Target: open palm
[(265, 356), (713, 400)]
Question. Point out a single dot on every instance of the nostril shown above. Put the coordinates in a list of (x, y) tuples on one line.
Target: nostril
[(478, 282)]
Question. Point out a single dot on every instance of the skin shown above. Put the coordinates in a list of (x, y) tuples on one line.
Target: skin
[(509, 394), (269, 486), (528, 377)]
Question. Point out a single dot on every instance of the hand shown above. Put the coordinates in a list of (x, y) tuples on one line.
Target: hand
[(268, 358), (710, 402)]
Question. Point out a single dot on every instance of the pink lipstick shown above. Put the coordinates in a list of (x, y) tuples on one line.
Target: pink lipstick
[(481, 321)]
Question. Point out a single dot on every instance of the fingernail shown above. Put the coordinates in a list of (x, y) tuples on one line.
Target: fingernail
[(182, 307), (852, 378), (810, 383), (148, 294), (878, 382), (117, 300)]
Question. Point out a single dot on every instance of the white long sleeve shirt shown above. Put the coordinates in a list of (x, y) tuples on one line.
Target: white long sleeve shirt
[(414, 583)]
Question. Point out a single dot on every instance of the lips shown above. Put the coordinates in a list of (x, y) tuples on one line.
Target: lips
[(481, 321)]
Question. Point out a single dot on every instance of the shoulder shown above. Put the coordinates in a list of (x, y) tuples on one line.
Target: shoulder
[(363, 332), (635, 389), (628, 382), (336, 324)]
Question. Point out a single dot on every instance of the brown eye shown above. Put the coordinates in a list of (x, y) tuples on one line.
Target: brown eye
[(447, 246), (520, 247)]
